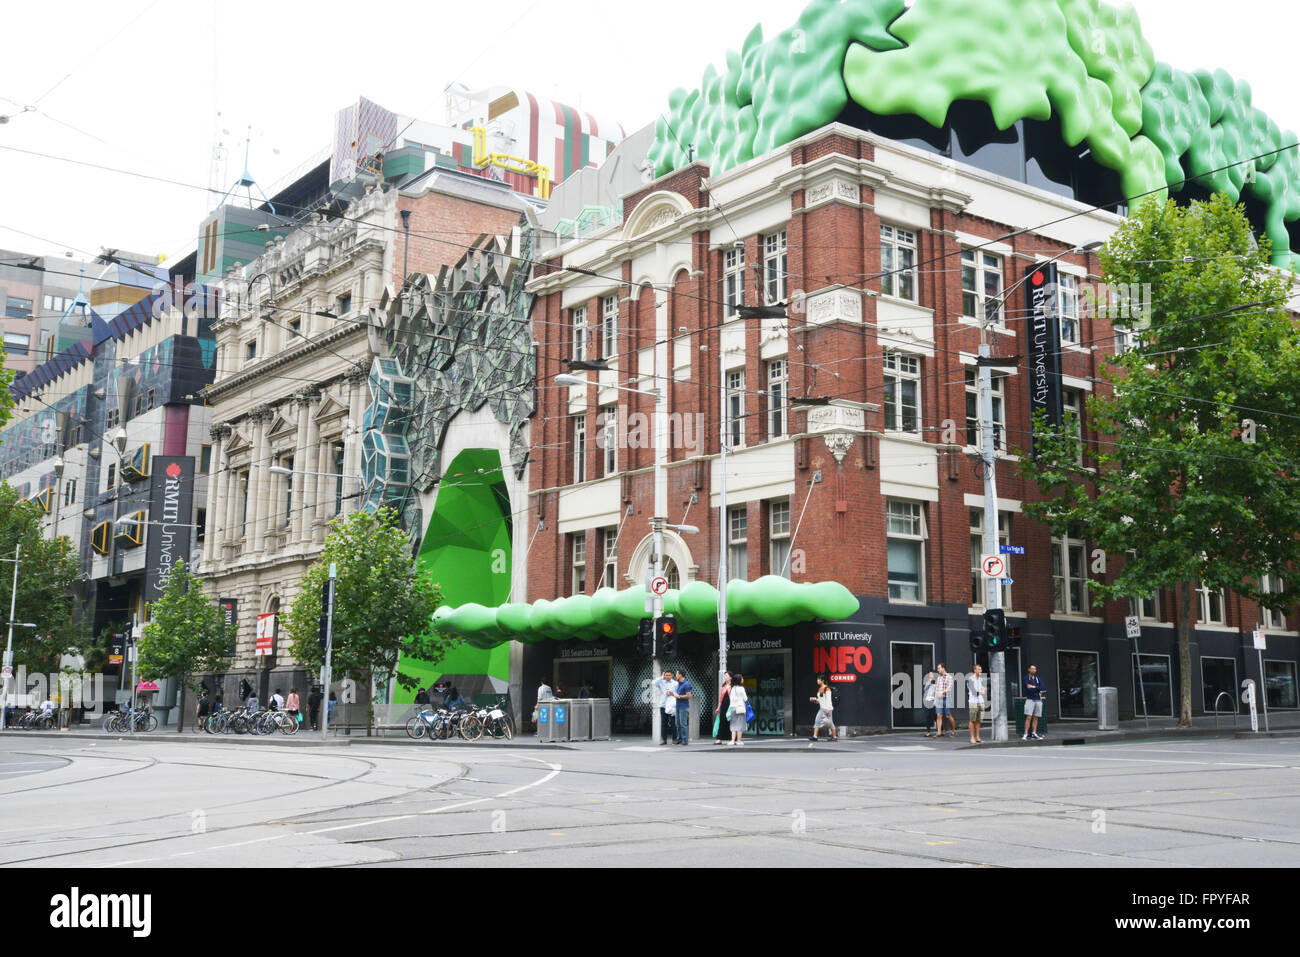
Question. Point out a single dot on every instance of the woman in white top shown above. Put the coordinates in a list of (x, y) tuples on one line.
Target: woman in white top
[(825, 709), (739, 698)]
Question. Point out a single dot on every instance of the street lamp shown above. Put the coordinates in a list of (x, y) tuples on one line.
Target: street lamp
[(988, 452)]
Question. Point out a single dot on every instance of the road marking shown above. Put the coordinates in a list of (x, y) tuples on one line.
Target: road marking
[(910, 747), (943, 810), (938, 843), (647, 749)]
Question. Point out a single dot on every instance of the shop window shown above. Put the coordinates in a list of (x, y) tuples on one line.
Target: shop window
[(1154, 679), (1219, 675), (1077, 676), (1280, 685)]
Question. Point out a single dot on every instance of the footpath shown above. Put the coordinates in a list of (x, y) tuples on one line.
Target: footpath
[(1059, 734)]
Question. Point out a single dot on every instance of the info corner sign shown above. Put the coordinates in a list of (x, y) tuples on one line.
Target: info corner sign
[(171, 517), (1043, 346)]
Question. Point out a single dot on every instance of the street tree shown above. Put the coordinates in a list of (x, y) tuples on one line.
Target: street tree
[(46, 572), (1197, 468), (383, 606), (186, 635), (6, 397)]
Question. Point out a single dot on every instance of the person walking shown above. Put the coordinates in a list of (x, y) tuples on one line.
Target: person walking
[(292, 706), (313, 706), (927, 700), (975, 702), (943, 702), (277, 701), (1034, 688), (722, 727), (205, 708), (825, 702), (682, 696)]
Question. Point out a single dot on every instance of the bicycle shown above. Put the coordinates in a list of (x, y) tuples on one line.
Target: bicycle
[(420, 725)]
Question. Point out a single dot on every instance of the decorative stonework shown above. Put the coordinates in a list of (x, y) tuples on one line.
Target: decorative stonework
[(838, 305), (831, 190), (839, 427)]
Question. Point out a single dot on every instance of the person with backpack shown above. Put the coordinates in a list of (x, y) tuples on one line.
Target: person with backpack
[(825, 701)]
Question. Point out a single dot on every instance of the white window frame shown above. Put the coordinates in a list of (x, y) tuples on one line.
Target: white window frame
[(1204, 600), (979, 588), (1268, 618), (778, 394), (1063, 576), (578, 562), (900, 369), (1072, 408), (998, 388), (776, 265), (977, 265), (905, 522), (609, 556), (579, 449), (1067, 304), (778, 536), (580, 334), (898, 263), (609, 326), (735, 408), (738, 542), (733, 281), (608, 425)]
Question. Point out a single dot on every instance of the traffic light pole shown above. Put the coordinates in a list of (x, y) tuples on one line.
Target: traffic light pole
[(993, 586), (325, 672)]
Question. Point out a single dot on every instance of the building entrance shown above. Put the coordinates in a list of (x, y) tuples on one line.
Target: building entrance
[(770, 687)]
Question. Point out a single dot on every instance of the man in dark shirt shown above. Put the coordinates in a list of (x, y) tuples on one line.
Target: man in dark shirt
[(683, 715), (1033, 703)]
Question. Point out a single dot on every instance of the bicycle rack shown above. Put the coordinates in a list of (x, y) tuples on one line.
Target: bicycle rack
[(1217, 712)]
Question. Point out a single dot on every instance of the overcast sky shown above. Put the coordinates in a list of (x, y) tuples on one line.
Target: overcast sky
[(137, 84)]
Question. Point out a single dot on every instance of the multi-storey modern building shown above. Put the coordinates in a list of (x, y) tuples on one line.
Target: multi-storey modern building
[(808, 281), (110, 438)]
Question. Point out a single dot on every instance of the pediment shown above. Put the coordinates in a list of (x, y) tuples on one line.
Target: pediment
[(655, 212), (330, 409), (238, 442)]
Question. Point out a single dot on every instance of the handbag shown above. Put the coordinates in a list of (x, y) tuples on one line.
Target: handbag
[(717, 720), (749, 712)]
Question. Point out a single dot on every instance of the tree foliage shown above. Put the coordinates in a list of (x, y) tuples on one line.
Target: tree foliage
[(1198, 466), (47, 570), (382, 605), (186, 633)]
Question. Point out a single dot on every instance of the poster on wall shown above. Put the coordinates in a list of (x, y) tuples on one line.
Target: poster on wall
[(171, 510), (1043, 343), (844, 654), (265, 634)]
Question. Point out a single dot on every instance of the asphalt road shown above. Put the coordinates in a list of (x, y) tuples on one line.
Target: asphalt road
[(204, 802)]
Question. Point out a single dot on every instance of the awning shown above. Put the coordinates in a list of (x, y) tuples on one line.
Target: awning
[(609, 614), (147, 686)]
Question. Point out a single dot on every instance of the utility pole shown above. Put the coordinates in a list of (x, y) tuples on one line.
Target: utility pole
[(723, 535), (993, 586), (9, 643)]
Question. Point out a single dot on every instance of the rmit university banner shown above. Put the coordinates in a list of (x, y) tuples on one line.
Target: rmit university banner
[(171, 517), (1043, 335), (230, 612)]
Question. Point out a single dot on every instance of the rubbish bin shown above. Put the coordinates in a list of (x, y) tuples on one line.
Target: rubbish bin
[(600, 726), (580, 720), (543, 720), (1018, 722), (559, 718), (1107, 709)]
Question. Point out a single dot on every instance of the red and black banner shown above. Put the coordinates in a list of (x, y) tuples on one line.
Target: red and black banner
[(171, 521), (1043, 343)]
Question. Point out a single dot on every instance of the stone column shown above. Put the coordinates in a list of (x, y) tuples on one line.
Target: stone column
[(324, 491), (216, 482), (259, 482), (352, 449), (233, 532), (303, 456)]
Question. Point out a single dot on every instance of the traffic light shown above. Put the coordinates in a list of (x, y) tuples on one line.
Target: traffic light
[(995, 629), (666, 636), (978, 641), (323, 633), (645, 638)]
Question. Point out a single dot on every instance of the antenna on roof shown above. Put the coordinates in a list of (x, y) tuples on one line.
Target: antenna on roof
[(247, 182)]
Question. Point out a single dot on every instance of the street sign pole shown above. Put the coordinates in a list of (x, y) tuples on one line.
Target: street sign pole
[(992, 586), (1258, 636), (1133, 625), (9, 642)]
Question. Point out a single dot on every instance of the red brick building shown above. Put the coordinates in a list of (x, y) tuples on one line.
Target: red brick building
[(887, 254)]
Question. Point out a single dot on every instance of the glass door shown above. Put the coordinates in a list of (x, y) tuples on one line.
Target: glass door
[(909, 663), (767, 680), (1078, 676)]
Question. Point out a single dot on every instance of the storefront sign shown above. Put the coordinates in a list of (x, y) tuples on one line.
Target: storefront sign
[(767, 644), (171, 510), (265, 635), (581, 651), (1043, 346)]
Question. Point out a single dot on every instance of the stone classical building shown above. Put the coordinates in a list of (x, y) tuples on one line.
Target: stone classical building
[(296, 341)]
